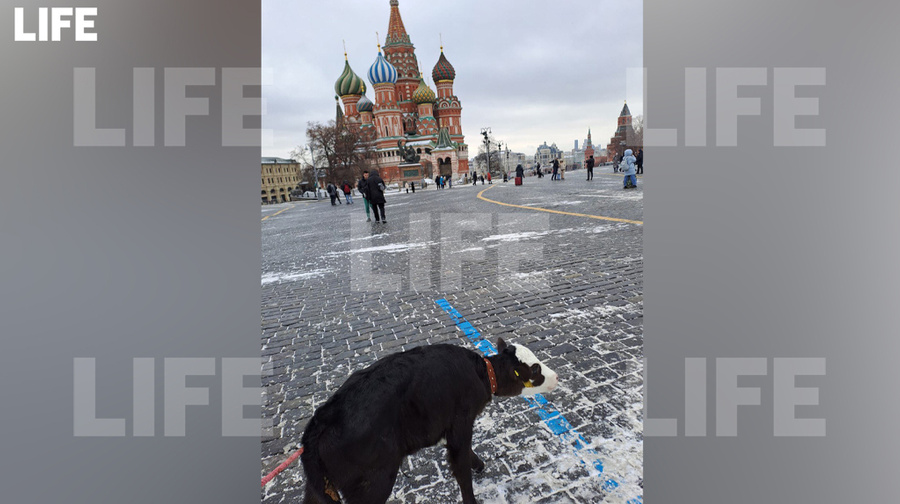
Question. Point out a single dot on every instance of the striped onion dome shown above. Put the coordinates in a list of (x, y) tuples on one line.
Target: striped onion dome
[(381, 71), (364, 105), (443, 70), (423, 93), (349, 83)]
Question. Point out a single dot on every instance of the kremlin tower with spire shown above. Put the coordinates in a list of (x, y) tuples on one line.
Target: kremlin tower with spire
[(405, 111), (624, 131)]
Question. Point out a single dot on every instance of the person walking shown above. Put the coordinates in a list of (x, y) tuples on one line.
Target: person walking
[(363, 187), (482, 178), (332, 191), (640, 161), (520, 174), (590, 167), (348, 192), (489, 178), (630, 181), (555, 173), (376, 196)]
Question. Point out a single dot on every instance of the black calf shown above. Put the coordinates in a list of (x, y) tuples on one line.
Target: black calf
[(356, 441)]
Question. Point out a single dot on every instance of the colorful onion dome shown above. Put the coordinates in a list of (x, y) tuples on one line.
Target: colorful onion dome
[(381, 71), (443, 70), (364, 104), (349, 83), (423, 93)]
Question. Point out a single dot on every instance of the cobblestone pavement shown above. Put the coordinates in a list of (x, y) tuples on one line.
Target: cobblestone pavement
[(568, 287)]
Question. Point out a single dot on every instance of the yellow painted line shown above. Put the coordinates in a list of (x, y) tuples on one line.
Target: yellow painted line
[(539, 209), (276, 213)]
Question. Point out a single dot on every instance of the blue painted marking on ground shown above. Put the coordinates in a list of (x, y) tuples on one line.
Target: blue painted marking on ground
[(553, 419)]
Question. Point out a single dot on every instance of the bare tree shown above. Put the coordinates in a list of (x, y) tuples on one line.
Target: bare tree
[(635, 137), (342, 152), (497, 161), (306, 158)]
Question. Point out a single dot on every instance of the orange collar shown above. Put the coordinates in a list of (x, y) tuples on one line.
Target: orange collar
[(491, 376)]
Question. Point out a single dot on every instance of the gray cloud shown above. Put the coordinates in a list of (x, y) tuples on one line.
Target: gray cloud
[(531, 70)]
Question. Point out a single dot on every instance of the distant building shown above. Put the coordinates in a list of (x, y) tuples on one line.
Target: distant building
[(589, 148), (545, 154), (279, 177), (617, 144)]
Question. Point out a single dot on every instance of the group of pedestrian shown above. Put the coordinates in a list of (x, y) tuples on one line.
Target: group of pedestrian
[(476, 178), (443, 182), (558, 171), (335, 193), (370, 186)]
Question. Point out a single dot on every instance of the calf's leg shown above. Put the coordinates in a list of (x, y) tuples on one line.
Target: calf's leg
[(374, 488), (459, 454)]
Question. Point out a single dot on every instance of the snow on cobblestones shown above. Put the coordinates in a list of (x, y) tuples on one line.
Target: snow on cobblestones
[(575, 299)]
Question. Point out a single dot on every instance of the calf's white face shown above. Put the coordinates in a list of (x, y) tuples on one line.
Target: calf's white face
[(543, 378)]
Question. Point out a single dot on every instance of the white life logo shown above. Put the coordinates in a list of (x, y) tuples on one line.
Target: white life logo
[(52, 20)]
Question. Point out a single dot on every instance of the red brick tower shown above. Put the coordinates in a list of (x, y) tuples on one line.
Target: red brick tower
[(400, 53), (424, 97), (588, 147), (447, 109), (624, 130), (383, 76)]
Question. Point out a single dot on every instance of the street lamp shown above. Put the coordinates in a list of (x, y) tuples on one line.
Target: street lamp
[(507, 156)]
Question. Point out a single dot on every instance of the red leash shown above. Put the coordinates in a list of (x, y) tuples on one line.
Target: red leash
[(281, 467)]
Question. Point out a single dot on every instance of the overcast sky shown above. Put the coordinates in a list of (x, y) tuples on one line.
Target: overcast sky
[(531, 70)]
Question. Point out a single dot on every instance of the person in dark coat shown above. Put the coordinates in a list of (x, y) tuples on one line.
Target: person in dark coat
[(332, 191), (590, 168), (348, 192), (640, 162), (363, 187), (376, 196), (555, 170), (520, 171)]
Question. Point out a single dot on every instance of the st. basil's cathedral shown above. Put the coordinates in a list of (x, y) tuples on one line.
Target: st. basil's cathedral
[(406, 115)]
